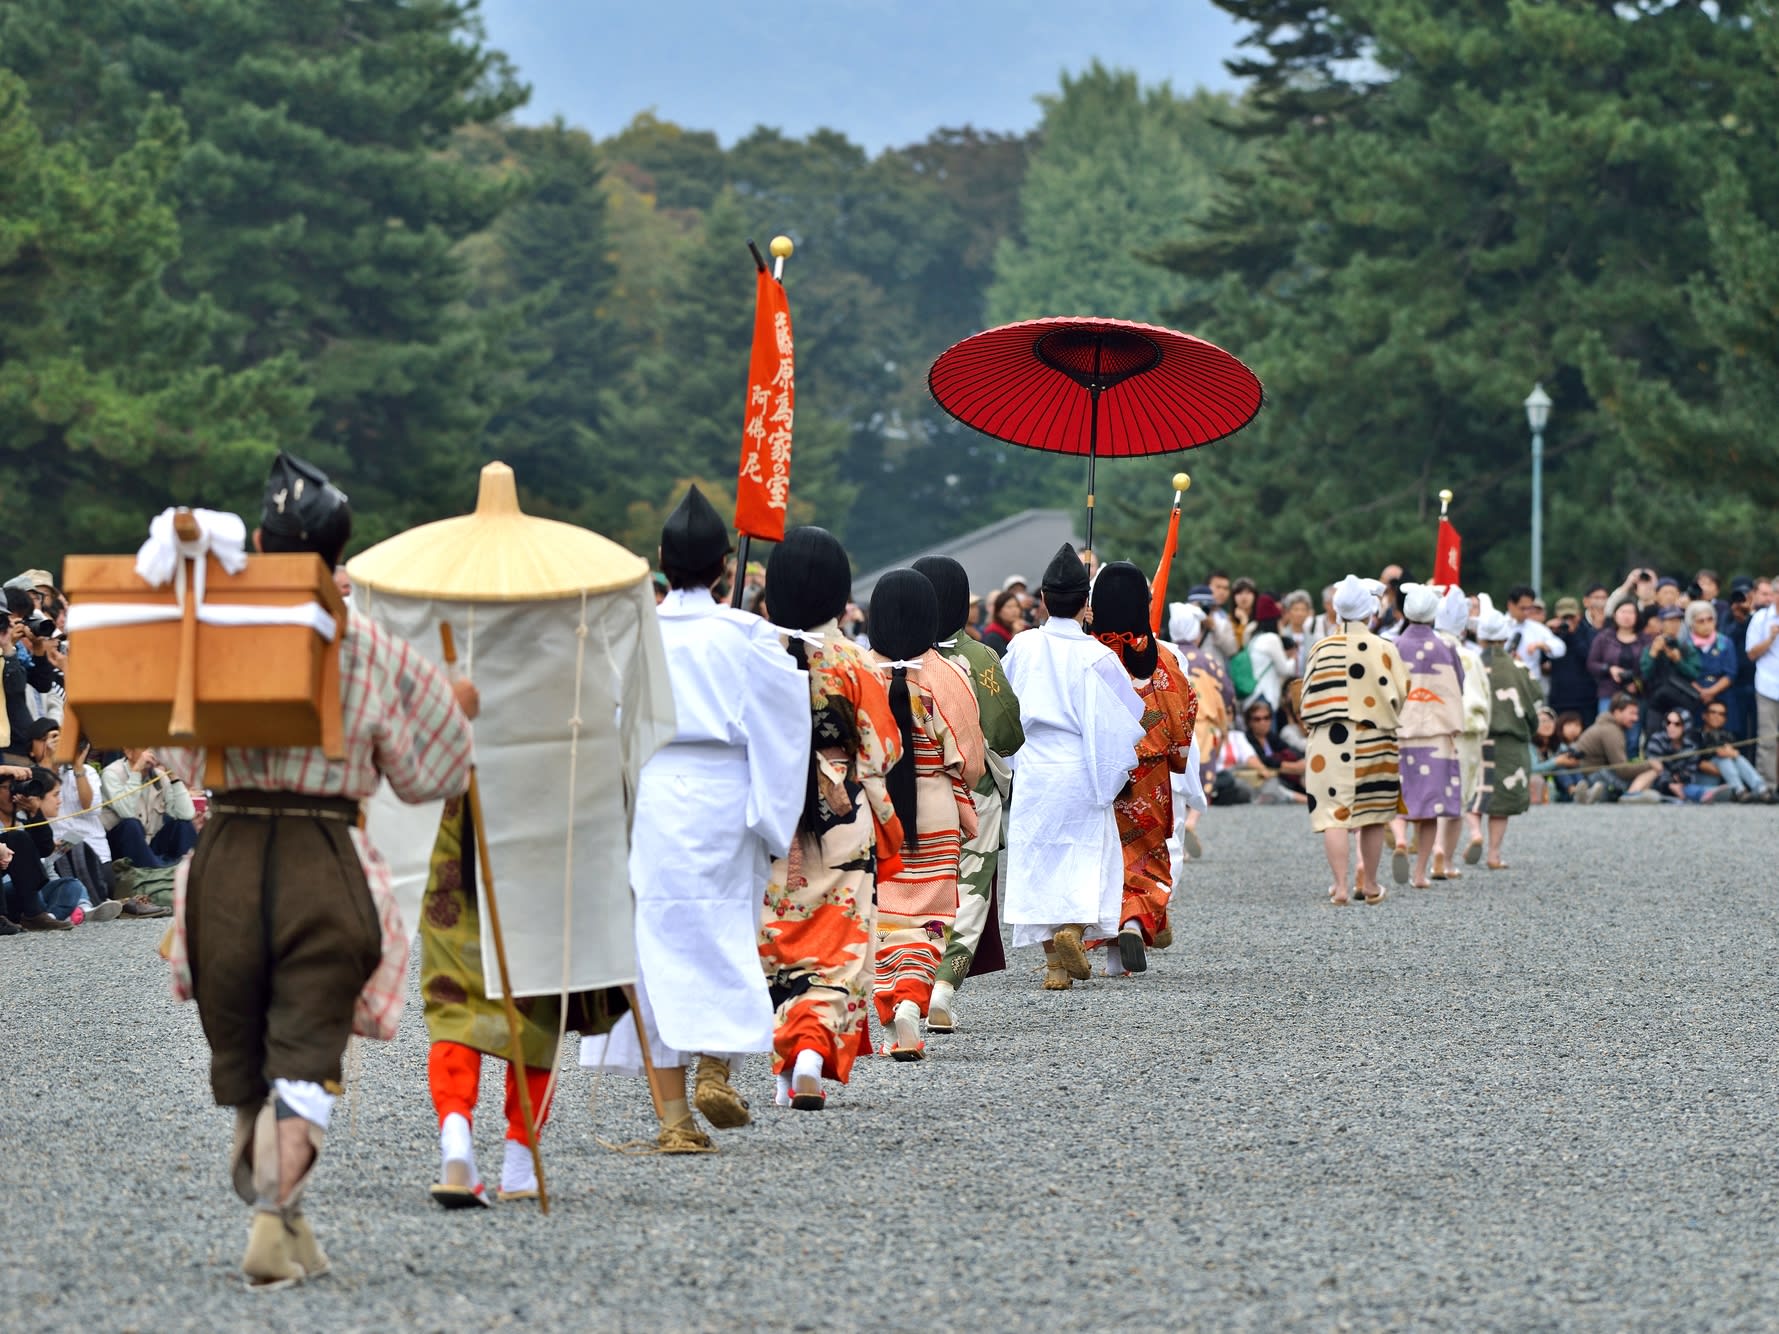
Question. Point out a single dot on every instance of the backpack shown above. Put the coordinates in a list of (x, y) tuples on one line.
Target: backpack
[(1242, 675)]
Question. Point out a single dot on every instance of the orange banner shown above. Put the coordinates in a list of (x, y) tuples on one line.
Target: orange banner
[(764, 488), (1446, 553), (1158, 589)]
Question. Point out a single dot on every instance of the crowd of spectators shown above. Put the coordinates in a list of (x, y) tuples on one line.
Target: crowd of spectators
[(1656, 690), (89, 838)]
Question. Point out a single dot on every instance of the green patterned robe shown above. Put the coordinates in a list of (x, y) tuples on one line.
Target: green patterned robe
[(1002, 734), (457, 1008)]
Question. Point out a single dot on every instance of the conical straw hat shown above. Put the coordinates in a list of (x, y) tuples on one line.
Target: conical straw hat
[(497, 554)]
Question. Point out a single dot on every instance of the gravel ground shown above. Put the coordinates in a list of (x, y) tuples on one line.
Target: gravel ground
[(1534, 1100)]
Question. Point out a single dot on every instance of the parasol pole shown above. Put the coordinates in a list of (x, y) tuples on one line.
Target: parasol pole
[(485, 863), (1093, 438)]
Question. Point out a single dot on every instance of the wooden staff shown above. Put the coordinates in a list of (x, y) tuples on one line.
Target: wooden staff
[(182, 726), (517, 1056), (642, 1041)]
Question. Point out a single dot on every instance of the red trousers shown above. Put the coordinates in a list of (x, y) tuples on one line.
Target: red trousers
[(454, 1072)]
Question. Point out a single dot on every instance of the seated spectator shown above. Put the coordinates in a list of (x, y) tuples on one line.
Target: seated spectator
[(41, 811), (1569, 727), (1670, 667), (34, 901), (1602, 747), (1718, 662), (148, 816), (1282, 766), (1289, 721), (1671, 748), (1728, 762)]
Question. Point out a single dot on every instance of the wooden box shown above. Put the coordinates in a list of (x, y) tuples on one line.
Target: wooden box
[(259, 685)]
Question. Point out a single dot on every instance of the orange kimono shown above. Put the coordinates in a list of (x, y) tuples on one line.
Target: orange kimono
[(918, 904), (1145, 811), (819, 920)]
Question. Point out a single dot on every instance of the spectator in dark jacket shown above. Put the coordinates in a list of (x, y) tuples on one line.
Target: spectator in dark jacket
[(1572, 685)]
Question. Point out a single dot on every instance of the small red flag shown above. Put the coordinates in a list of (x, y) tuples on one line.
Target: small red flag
[(764, 488), (1446, 554)]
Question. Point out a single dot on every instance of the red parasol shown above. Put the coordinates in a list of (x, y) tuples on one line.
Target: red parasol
[(1103, 388)]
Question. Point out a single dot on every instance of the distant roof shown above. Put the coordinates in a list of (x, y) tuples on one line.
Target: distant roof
[(1020, 544)]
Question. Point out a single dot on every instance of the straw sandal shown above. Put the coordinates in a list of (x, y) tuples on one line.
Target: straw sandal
[(1070, 955)]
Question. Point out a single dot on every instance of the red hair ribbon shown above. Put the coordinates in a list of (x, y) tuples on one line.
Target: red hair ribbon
[(1113, 638)]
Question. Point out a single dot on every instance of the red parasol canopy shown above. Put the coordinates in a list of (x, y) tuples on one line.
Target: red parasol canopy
[(1111, 388)]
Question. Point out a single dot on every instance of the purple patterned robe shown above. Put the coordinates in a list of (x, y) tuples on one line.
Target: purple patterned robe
[(1432, 716)]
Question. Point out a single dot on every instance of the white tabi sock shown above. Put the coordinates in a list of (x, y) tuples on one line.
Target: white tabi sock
[(809, 1066), (456, 1146), (783, 1096), (1114, 961), (516, 1171), (943, 993)]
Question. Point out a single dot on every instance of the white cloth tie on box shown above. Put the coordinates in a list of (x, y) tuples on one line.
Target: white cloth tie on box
[(110, 615), (163, 557)]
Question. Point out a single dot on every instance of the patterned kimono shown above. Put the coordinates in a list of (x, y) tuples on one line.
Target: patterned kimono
[(1146, 810), (1353, 688), (973, 945), (916, 906), (818, 921), (1432, 717), (1505, 787), (1476, 716)]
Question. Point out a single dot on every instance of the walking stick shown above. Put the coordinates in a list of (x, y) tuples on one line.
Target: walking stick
[(485, 863), (642, 1041)]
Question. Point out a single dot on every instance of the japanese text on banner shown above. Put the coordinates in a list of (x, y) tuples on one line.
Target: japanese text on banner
[(763, 491)]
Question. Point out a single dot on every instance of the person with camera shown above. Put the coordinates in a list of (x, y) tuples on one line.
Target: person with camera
[(1638, 589), (1669, 669), (1571, 684), (35, 900), (81, 848), (148, 814), (1605, 754)]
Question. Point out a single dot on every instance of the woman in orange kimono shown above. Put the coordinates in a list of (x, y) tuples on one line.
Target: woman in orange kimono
[(816, 932), (1145, 809), (941, 735)]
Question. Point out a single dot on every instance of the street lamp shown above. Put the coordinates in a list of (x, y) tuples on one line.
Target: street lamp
[(1537, 414)]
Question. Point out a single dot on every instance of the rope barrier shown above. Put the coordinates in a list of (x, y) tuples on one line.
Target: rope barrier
[(90, 810)]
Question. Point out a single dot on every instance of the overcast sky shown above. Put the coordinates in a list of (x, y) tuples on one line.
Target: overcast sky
[(887, 72)]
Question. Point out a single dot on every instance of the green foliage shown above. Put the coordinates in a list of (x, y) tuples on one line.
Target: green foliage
[(318, 214), (1511, 194), (107, 406)]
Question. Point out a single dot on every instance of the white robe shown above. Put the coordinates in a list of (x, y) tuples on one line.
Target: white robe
[(712, 810), (1082, 721)]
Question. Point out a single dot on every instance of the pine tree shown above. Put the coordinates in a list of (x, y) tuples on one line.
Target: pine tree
[(1509, 192), (318, 210), (553, 249), (107, 406)]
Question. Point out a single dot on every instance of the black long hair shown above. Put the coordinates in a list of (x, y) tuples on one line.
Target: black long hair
[(1121, 617), (904, 622), (808, 581)]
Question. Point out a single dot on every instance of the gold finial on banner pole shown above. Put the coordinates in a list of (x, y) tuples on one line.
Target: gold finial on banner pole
[(781, 249), (1445, 500), (1182, 483)]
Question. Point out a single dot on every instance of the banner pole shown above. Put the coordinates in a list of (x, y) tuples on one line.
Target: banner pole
[(740, 571)]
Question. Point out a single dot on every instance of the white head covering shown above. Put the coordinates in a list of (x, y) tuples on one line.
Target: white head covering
[(1185, 622), (1453, 615), (1420, 602), (1354, 599), (1494, 627)]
